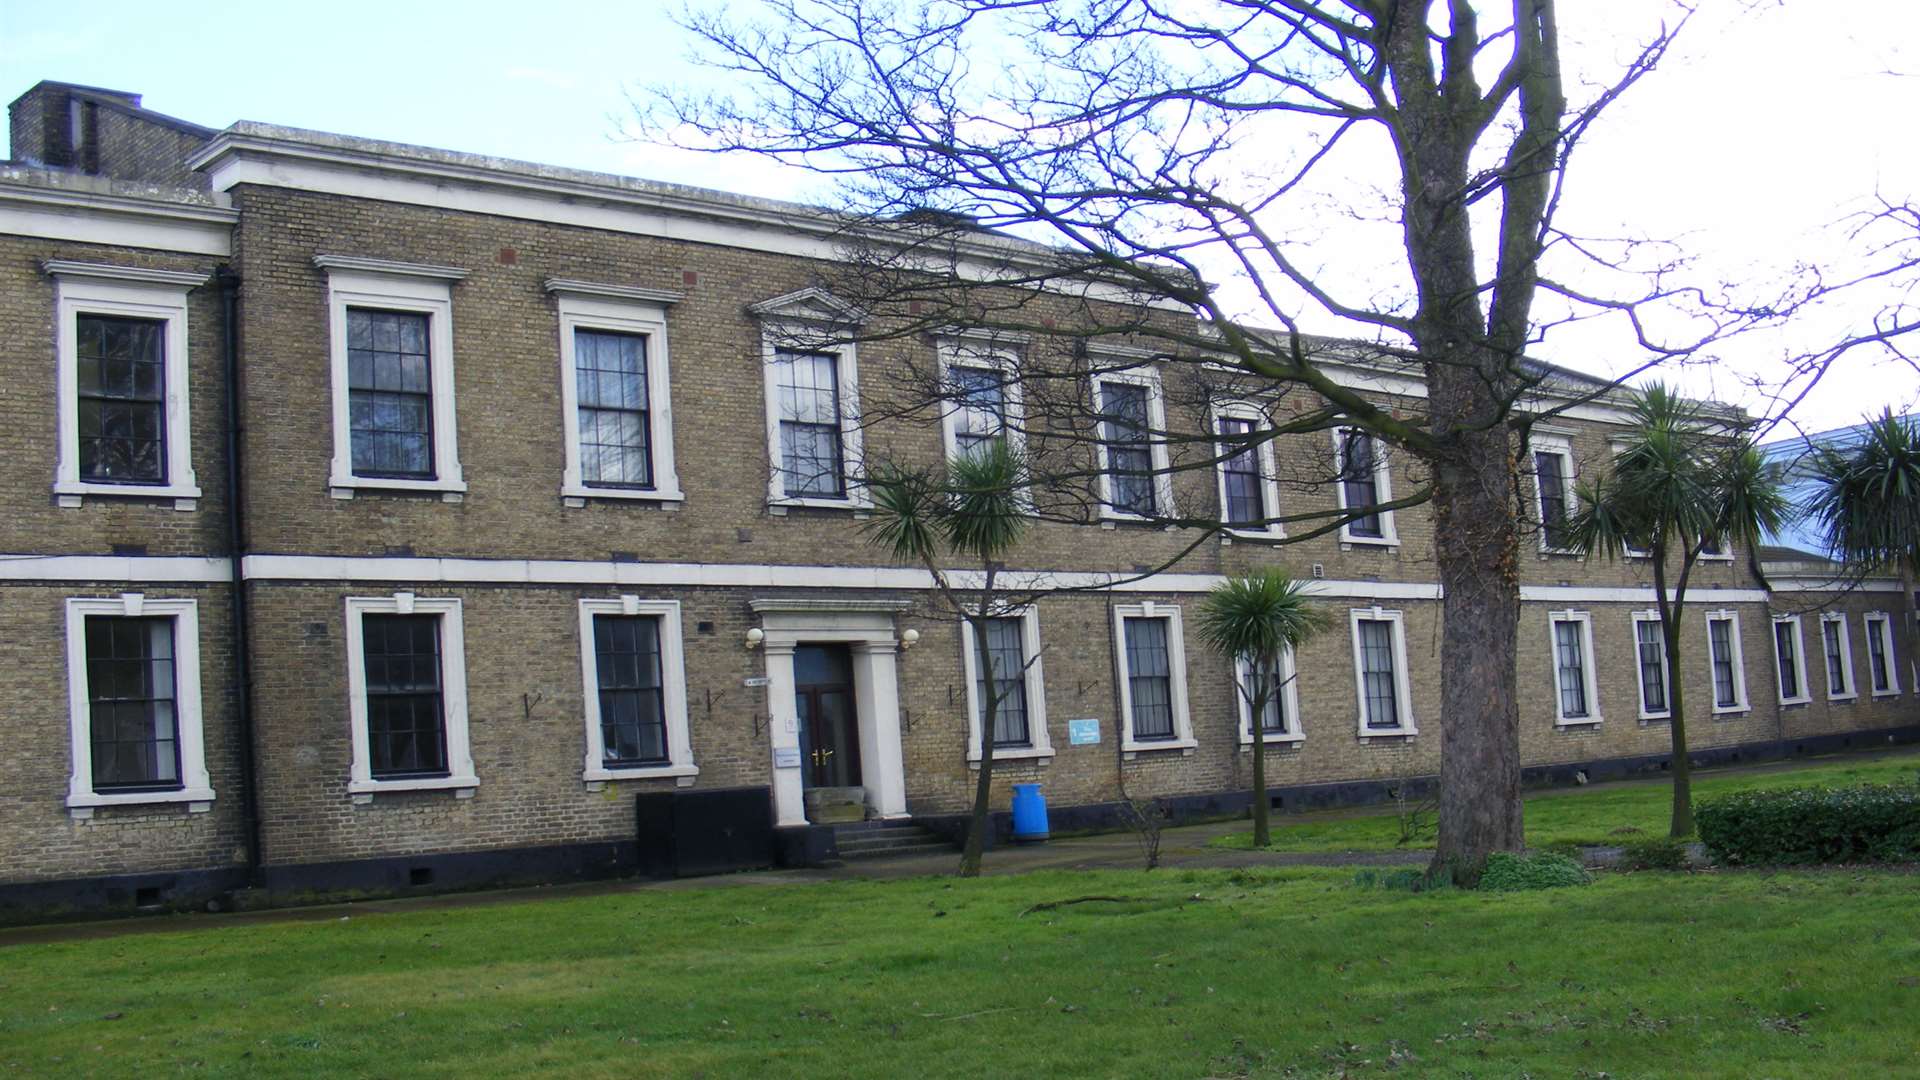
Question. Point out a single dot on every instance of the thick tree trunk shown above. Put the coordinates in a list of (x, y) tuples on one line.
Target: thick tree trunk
[(1476, 542)]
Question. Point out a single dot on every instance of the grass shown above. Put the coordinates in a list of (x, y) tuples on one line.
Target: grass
[(1274, 972), (1602, 814)]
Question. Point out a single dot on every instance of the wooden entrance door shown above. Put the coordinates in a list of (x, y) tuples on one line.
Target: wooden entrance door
[(829, 724)]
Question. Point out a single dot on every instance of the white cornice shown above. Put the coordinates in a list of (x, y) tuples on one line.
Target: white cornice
[(614, 292), (388, 266), (144, 275), (98, 218)]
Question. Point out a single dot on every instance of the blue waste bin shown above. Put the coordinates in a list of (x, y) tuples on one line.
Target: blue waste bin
[(1029, 814)]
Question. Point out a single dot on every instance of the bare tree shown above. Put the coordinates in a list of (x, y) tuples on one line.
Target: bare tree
[(1152, 146)]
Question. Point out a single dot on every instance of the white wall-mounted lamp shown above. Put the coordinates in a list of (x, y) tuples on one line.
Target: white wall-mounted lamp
[(755, 636), (909, 638)]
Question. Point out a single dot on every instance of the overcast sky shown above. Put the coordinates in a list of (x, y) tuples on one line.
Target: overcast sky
[(1761, 132)]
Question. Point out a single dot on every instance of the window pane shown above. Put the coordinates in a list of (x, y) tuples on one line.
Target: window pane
[(406, 724), (614, 412), (1550, 472), (1789, 660), (1149, 677), (1377, 674), (1653, 668), (389, 394), (980, 407), (633, 718), (122, 399), (1125, 407), (1836, 657), (1006, 666), (1571, 660), (1725, 689), (1877, 654), (1359, 480), (807, 396), (1240, 473), (132, 718), (1273, 715)]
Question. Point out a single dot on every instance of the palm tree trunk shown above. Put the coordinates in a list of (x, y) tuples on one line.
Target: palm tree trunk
[(1681, 824), (1261, 836), (982, 816)]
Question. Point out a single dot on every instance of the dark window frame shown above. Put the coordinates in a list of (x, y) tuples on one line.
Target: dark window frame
[(1240, 468), (1570, 668), (1720, 652), (1012, 715), (1360, 484), (785, 370), (1655, 666), (1380, 687), (583, 406), (1127, 441), (1556, 505), (383, 697), (102, 403), (1150, 691), (613, 689), (103, 752), (371, 393)]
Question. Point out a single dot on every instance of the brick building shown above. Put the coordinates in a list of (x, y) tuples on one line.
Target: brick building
[(384, 518)]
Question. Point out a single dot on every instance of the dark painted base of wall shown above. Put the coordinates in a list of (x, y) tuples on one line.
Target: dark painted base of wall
[(225, 888)]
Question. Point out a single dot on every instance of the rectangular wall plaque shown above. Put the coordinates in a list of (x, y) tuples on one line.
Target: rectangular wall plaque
[(1083, 732)]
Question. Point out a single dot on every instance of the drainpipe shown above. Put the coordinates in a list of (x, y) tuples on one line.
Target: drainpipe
[(236, 551)]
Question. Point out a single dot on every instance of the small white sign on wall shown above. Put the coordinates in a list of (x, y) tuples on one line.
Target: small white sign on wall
[(1083, 732), (786, 757), (755, 680)]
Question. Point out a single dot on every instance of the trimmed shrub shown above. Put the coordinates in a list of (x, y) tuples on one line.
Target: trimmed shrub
[(1659, 853), (1507, 872), (1869, 823)]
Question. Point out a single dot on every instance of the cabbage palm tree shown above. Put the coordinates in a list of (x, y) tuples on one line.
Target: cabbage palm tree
[(1681, 483), (1254, 620), (1868, 501), (974, 512)]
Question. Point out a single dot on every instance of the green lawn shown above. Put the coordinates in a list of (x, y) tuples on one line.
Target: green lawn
[(1285, 972), (1602, 814)]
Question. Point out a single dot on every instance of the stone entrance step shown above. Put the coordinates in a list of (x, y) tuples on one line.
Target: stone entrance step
[(827, 805), (873, 839)]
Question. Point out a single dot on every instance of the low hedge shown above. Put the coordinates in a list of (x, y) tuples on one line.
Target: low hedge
[(1869, 823), (1507, 872)]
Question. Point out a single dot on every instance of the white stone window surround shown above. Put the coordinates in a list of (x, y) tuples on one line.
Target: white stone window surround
[(1798, 646), (81, 288), (984, 351), (460, 778), (583, 305), (380, 285), (1740, 705), (1040, 749), (1183, 739), (1555, 441), (1589, 675), (1146, 375), (1844, 638), (1879, 624), (813, 320), (1269, 473), (1289, 691), (673, 693), (1389, 538), (1666, 676), (196, 788), (1402, 682)]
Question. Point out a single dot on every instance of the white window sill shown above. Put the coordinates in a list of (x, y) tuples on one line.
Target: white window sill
[(1388, 733), (1039, 755), (344, 487), (71, 495), (1843, 697), (1727, 558), (1549, 552), (198, 800), (683, 774), (1130, 749), (1390, 543), (1732, 710), (1246, 537), (1886, 693), (1796, 701), (363, 791), (1246, 744), (783, 504), (1577, 721), (578, 495)]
